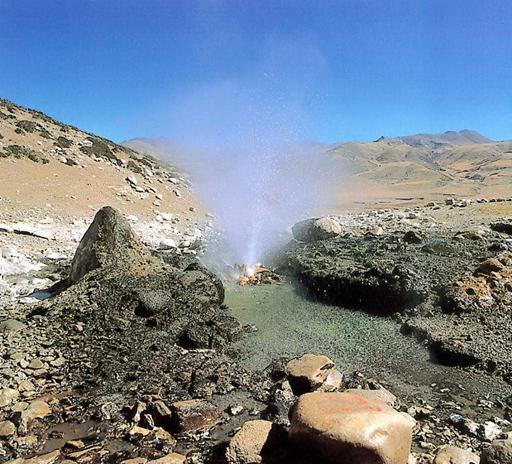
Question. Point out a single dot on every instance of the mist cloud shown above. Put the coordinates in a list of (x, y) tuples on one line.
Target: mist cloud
[(249, 154)]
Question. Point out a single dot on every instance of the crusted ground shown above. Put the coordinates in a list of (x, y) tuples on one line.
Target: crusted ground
[(448, 283)]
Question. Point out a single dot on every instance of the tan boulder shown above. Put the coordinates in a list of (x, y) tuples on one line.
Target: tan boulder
[(308, 372), (255, 439), (452, 455), (314, 229), (345, 428)]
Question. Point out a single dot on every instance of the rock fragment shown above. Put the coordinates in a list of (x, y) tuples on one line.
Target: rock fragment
[(308, 372), (7, 428), (253, 442), (453, 455), (194, 415)]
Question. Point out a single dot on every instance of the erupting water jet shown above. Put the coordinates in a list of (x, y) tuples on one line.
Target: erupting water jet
[(255, 274)]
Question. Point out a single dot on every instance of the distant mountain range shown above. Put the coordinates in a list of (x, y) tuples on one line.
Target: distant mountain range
[(422, 166)]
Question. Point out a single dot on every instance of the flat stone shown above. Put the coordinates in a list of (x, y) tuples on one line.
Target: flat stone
[(452, 455), (194, 414), (173, 458), (345, 428), (49, 458), (26, 386), (36, 363)]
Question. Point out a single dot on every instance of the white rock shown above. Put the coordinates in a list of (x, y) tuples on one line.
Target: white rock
[(9, 252), (132, 180), (167, 243)]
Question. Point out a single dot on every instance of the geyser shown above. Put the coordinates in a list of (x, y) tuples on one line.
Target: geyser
[(247, 155)]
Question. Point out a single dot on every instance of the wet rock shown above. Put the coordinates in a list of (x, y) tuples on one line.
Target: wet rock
[(254, 441), (311, 230), (453, 455), (499, 452), (308, 372), (345, 428), (194, 415)]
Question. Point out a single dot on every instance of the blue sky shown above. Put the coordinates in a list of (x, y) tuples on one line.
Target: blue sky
[(213, 70)]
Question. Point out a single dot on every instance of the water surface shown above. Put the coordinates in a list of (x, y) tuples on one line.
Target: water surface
[(290, 325)]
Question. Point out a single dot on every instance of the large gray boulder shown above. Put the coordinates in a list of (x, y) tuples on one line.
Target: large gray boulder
[(109, 240), (314, 229)]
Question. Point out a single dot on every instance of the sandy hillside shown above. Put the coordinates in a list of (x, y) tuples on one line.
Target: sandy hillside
[(54, 177), (427, 167), (406, 170)]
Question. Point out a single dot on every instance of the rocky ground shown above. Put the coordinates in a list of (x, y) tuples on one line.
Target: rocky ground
[(115, 340), (447, 281), (127, 361)]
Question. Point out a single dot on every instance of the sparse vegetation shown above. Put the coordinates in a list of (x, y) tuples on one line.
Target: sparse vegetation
[(63, 142), (99, 149), (133, 166), (28, 126), (31, 127), (20, 151)]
